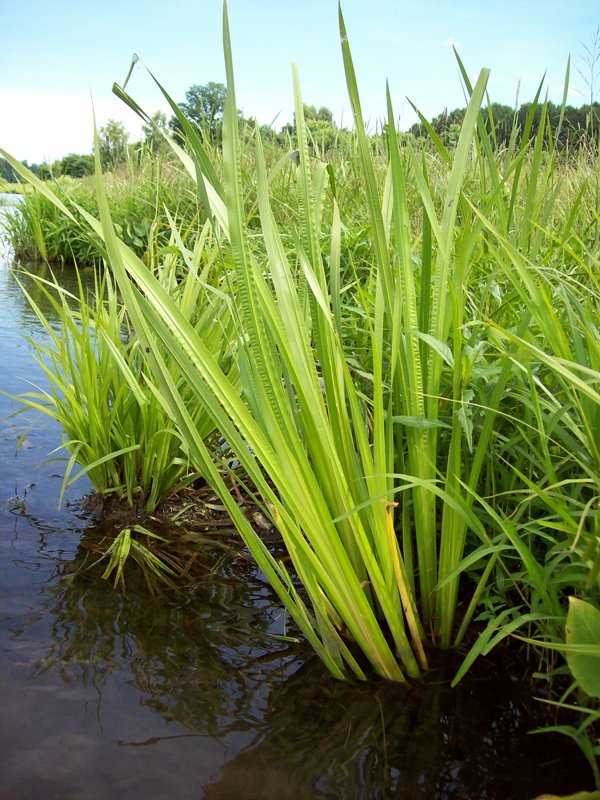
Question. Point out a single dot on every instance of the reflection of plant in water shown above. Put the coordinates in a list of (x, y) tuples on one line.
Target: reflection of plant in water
[(328, 739), (199, 657)]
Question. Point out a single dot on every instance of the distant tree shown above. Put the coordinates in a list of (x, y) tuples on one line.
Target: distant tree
[(77, 166), (322, 115), (441, 124), (39, 170), (204, 106), (7, 173), (505, 119), (321, 127), (113, 140), (153, 132), (269, 134), (447, 125)]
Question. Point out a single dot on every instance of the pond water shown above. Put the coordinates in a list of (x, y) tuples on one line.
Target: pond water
[(112, 695)]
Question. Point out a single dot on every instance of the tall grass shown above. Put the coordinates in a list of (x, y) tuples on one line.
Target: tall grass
[(115, 427), (139, 192), (413, 391)]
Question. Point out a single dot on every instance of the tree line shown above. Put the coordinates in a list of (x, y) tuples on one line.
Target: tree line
[(204, 106), (579, 125)]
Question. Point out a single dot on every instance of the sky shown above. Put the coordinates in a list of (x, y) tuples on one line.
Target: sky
[(59, 58)]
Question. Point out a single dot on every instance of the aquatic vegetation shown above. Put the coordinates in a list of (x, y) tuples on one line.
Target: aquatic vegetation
[(115, 426), (442, 379), (412, 380), (139, 192)]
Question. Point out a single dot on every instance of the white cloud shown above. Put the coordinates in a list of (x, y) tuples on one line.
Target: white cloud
[(452, 42)]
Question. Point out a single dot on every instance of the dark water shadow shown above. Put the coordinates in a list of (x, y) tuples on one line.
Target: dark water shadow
[(325, 739), (256, 716)]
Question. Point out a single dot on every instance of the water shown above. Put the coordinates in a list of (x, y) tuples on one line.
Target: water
[(106, 695)]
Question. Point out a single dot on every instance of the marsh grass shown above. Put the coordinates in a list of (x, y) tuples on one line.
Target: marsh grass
[(139, 190), (400, 451), (115, 427), (411, 379)]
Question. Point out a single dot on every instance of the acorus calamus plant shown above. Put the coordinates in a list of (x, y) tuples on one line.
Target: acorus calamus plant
[(332, 472), (384, 411)]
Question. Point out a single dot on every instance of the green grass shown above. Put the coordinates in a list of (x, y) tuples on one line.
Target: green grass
[(410, 378), (115, 427), (139, 193)]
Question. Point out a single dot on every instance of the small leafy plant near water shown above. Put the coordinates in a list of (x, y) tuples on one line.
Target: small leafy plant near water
[(408, 377), (116, 428)]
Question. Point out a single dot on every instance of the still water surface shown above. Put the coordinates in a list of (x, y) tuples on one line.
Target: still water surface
[(112, 696)]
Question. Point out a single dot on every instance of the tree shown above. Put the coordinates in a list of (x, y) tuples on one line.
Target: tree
[(320, 125), (7, 173), (507, 123), (39, 170), (205, 106), (113, 143), (75, 165), (153, 131), (322, 115), (504, 120)]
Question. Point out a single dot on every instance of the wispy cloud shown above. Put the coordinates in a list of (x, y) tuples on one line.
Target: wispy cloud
[(452, 42)]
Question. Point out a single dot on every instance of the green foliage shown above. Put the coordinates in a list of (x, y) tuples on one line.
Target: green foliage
[(323, 114), (154, 131), (139, 194), (414, 386), (574, 126), (7, 173), (204, 107), (76, 166), (583, 643), (115, 426), (72, 165), (432, 400), (322, 131), (126, 545), (113, 140)]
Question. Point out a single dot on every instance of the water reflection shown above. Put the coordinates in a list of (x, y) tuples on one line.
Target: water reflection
[(326, 739), (198, 657), (259, 715)]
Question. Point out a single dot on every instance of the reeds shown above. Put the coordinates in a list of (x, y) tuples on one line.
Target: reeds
[(411, 379), (115, 427), (139, 191)]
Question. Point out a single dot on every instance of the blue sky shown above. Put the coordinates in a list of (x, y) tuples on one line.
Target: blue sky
[(57, 54)]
